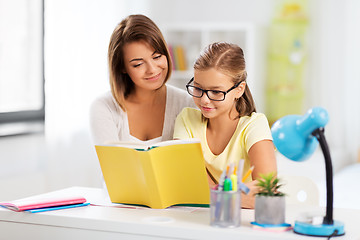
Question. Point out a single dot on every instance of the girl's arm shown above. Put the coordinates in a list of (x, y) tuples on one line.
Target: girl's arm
[(262, 156)]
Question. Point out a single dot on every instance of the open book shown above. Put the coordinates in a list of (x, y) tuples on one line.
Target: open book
[(158, 176)]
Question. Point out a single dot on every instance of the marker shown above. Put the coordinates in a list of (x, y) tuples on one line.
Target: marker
[(240, 169), (242, 187), (226, 199), (218, 204), (234, 180), (227, 181), (231, 169), (221, 180), (247, 173), (227, 184)]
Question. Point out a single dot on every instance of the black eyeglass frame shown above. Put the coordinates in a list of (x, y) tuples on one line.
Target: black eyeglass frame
[(206, 91)]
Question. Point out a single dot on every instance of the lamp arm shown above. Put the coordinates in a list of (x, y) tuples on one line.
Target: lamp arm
[(319, 134)]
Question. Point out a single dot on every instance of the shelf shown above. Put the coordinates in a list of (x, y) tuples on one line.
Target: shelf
[(194, 37)]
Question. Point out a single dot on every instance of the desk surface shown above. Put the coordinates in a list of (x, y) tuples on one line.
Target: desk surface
[(108, 222)]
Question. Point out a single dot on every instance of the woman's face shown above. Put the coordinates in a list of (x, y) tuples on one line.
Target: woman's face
[(146, 67), (215, 80)]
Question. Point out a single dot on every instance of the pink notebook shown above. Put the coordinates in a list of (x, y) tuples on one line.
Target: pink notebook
[(24, 204)]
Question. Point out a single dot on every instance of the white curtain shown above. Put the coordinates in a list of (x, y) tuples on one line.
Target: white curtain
[(77, 35)]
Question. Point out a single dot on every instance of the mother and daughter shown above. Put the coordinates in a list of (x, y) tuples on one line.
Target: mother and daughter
[(218, 108)]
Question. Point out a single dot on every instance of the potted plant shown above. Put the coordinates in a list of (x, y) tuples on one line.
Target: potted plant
[(269, 201)]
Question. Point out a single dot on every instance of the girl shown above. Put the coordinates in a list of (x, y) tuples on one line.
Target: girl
[(227, 123), (140, 106)]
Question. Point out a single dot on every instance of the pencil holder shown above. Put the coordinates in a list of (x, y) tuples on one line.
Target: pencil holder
[(225, 208)]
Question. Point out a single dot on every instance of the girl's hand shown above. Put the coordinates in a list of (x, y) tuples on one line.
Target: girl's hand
[(212, 185), (248, 200)]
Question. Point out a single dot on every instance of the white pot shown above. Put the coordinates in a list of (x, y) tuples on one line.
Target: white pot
[(270, 209)]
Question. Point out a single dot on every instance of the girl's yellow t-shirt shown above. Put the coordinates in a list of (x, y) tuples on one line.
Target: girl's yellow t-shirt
[(250, 130)]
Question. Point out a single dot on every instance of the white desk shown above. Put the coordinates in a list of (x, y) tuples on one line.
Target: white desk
[(104, 222)]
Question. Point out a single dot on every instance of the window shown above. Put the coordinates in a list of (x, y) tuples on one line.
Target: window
[(21, 66)]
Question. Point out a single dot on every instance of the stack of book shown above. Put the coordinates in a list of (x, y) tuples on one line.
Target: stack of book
[(178, 57), (44, 204)]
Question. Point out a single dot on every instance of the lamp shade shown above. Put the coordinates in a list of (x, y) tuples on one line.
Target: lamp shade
[(292, 134)]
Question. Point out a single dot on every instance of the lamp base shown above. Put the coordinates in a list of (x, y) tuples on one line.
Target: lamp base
[(319, 230)]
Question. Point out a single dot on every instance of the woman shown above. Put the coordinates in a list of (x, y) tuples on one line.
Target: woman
[(140, 107)]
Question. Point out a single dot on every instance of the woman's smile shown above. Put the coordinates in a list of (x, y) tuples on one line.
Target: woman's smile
[(154, 78)]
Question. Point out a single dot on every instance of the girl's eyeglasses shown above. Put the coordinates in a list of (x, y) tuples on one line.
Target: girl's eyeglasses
[(215, 95)]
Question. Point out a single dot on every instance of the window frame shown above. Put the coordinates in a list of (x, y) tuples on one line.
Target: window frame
[(29, 116)]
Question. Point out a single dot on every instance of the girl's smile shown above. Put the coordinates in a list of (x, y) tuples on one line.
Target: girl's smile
[(206, 109)]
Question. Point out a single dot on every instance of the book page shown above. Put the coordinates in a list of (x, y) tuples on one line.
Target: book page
[(180, 174), (134, 145), (143, 146), (177, 141)]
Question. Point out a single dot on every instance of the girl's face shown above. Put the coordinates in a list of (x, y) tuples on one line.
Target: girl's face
[(215, 80), (146, 67)]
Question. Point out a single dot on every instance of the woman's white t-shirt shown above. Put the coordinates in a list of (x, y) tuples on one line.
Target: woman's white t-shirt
[(109, 123)]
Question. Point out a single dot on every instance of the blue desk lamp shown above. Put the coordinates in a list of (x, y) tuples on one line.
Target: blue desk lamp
[(296, 137)]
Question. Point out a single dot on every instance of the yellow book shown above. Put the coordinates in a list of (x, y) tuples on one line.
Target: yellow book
[(168, 173)]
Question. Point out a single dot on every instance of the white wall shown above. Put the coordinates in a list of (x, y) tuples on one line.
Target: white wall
[(77, 35), (334, 77), (258, 11)]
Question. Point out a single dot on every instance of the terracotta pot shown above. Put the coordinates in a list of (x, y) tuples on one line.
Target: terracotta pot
[(270, 209)]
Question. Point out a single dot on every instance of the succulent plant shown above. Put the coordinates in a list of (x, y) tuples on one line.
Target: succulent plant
[(269, 185)]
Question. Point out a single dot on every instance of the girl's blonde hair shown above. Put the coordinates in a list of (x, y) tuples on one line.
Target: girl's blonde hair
[(133, 28), (229, 59)]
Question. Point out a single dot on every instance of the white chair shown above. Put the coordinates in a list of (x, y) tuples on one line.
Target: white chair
[(299, 190)]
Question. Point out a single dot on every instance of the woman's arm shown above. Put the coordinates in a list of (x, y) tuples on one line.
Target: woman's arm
[(102, 125), (262, 156)]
